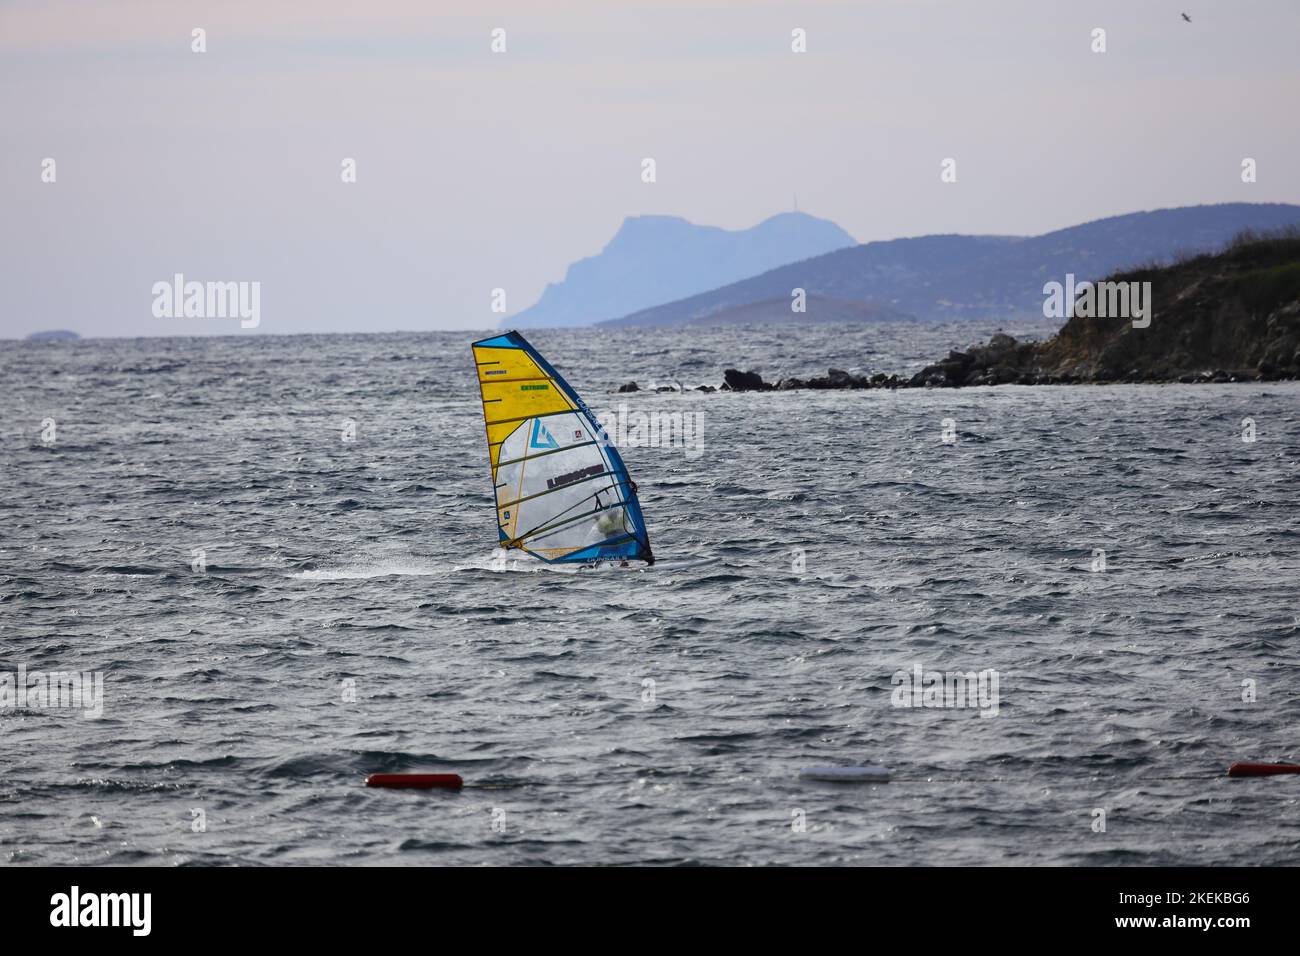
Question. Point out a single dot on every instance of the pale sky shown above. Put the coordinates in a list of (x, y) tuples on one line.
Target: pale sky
[(478, 170)]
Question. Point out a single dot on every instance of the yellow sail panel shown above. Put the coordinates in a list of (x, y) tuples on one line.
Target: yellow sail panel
[(514, 389)]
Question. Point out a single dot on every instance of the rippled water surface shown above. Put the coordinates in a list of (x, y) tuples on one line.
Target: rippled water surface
[(822, 542)]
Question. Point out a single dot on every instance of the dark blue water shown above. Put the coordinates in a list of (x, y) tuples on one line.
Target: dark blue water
[(347, 616)]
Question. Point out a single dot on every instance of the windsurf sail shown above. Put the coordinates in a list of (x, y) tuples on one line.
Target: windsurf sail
[(563, 493)]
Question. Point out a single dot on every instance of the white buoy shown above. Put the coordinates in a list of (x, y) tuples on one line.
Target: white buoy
[(847, 774)]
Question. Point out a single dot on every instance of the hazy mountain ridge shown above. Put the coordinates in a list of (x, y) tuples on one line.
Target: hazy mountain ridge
[(655, 259), (947, 277), (820, 309)]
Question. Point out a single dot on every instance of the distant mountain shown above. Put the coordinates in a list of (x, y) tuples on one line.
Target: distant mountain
[(820, 309), (656, 259), (981, 277), (53, 335)]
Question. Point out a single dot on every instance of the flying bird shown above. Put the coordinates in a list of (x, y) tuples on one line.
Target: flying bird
[(1187, 18)]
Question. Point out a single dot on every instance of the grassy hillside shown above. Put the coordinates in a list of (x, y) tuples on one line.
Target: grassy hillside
[(1231, 315)]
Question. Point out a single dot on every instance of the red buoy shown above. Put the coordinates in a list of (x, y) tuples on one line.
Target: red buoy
[(416, 781), (1262, 769)]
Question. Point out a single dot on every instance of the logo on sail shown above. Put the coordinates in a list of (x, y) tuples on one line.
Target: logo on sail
[(541, 437), (591, 471)]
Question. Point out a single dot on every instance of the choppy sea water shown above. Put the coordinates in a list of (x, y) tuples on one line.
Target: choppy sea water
[(821, 543)]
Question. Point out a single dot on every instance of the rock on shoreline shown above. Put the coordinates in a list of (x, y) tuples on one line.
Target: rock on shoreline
[(53, 335)]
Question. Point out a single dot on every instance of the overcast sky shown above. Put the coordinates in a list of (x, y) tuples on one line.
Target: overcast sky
[(478, 170)]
